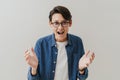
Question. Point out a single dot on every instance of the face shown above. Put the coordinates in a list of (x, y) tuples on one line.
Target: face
[(60, 27)]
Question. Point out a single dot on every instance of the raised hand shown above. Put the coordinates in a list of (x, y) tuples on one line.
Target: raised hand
[(31, 58), (86, 60)]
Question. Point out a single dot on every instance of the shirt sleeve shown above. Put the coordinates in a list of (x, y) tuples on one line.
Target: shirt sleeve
[(82, 76), (33, 77), (37, 50), (85, 75)]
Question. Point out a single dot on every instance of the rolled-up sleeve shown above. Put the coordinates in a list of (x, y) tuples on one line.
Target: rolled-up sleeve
[(83, 76), (33, 77)]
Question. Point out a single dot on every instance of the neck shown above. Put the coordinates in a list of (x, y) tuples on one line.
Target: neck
[(61, 40)]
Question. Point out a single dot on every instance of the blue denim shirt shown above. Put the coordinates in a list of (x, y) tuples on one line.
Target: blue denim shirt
[(47, 51)]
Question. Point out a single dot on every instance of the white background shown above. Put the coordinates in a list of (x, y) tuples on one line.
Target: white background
[(97, 22)]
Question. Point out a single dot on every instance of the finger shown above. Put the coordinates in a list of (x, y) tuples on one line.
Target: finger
[(32, 50), (26, 54), (26, 51), (87, 52), (93, 56), (27, 58), (91, 59)]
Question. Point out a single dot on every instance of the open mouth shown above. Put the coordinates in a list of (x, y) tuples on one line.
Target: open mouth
[(60, 33)]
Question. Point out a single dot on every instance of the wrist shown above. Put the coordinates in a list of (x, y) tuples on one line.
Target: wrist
[(82, 71), (34, 71)]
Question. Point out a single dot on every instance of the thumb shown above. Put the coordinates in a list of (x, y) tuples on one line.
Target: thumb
[(32, 50)]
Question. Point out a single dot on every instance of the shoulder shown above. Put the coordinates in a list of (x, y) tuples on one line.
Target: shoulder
[(74, 38), (44, 39)]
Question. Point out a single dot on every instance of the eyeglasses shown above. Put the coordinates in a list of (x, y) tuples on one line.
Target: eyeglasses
[(63, 24)]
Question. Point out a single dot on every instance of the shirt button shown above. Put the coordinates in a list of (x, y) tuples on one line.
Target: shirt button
[(55, 52), (54, 62), (55, 45), (53, 71)]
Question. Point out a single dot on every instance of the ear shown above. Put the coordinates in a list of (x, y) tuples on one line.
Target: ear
[(70, 24), (50, 23)]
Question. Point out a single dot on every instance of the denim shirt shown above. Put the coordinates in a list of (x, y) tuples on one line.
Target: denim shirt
[(46, 51)]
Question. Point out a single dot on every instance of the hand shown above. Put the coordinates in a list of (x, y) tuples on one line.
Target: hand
[(86, 60), (31, 58)]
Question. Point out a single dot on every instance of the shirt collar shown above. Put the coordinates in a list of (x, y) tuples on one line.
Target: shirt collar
[(69, 39), (54, 42)]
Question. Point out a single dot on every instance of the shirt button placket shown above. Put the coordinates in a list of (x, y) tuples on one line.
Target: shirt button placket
[(54, 60)]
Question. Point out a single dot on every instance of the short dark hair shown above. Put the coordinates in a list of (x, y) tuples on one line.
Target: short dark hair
[(62, 10)]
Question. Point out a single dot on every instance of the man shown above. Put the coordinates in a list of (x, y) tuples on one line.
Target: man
[(59, 56)]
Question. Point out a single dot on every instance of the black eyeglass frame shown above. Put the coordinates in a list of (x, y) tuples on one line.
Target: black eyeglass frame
[(63, 23)]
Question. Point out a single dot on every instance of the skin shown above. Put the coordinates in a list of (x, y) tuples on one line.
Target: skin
[(84, 62), (59, 37)]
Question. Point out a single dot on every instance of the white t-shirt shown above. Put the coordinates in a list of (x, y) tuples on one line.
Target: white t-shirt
[(61, 72)]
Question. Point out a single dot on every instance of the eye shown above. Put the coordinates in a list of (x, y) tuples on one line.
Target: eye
[(56, 23), (65, 23)]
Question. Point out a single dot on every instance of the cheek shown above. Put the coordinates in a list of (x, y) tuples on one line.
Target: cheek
[(67, 29), (54, 30)]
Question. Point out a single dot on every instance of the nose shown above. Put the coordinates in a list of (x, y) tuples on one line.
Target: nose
[(60, 27)]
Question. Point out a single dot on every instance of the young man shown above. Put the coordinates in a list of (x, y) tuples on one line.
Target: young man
[(59, 56)]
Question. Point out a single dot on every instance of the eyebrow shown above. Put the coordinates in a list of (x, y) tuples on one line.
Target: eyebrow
[(61, 21)]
